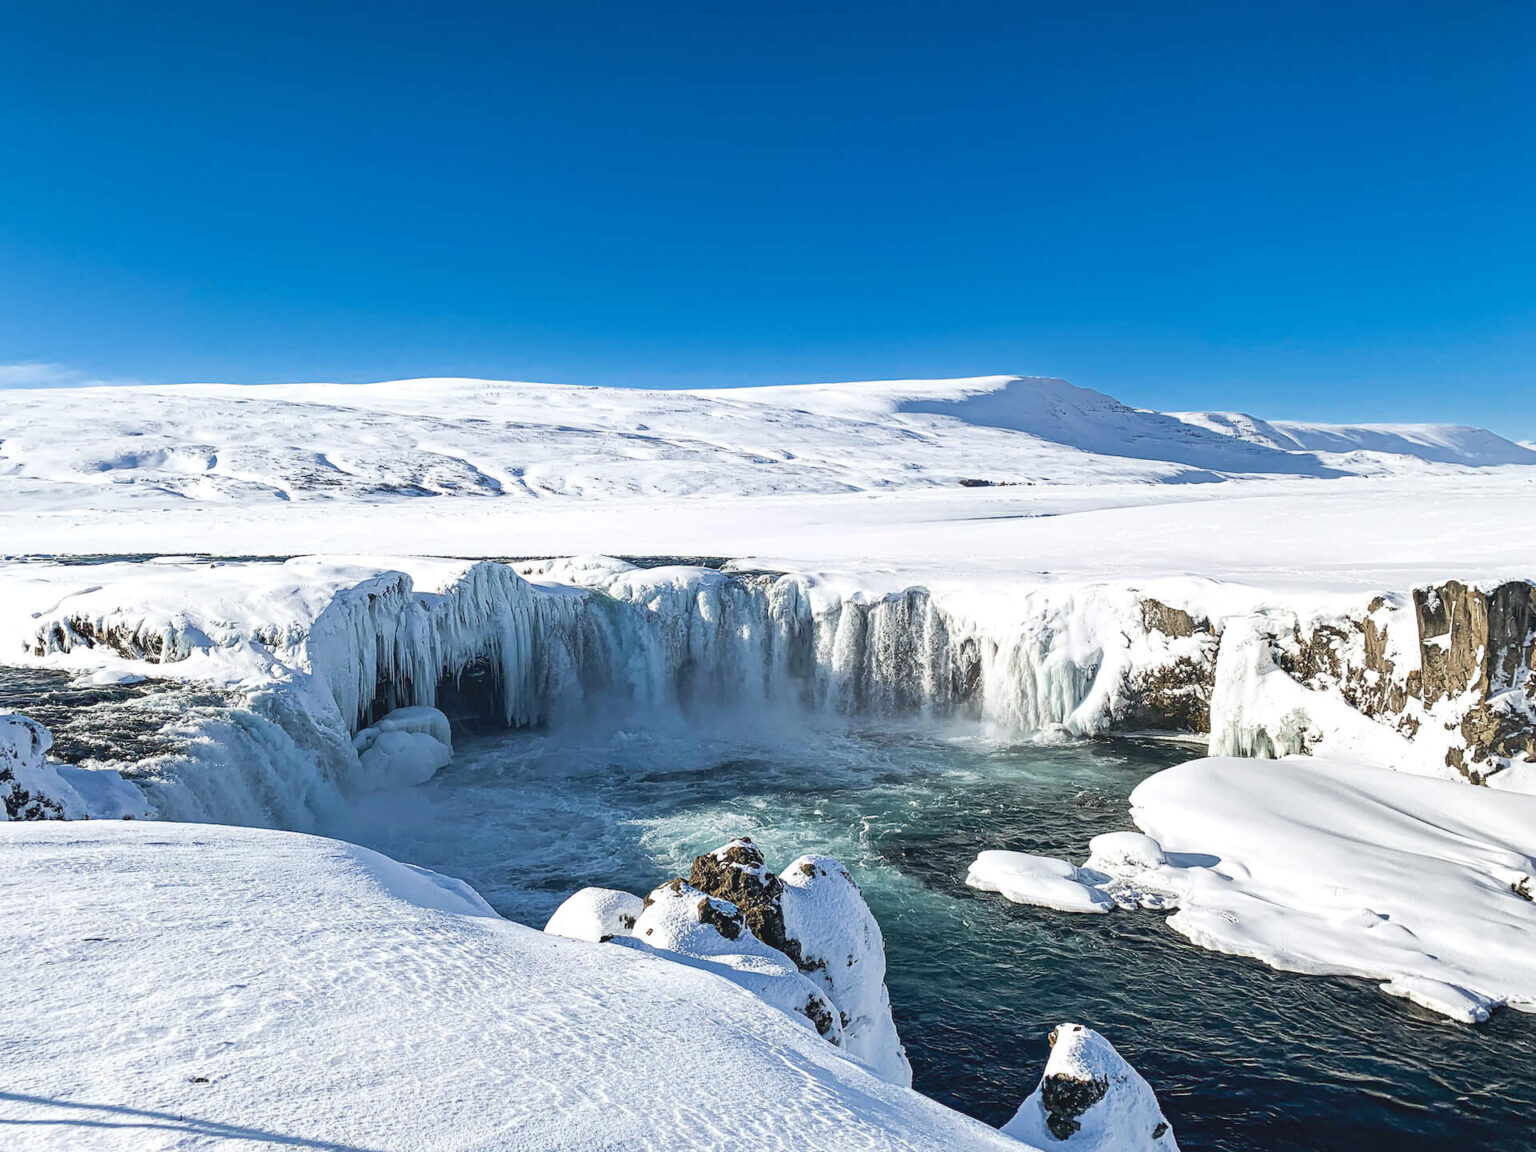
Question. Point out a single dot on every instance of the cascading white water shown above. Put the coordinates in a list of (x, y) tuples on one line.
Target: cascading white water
[(606, 638)]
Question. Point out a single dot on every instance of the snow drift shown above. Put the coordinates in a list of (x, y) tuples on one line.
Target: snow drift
[(220, 983)]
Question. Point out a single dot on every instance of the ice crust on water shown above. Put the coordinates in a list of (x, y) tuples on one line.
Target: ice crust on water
[(1041, 880), (1330, 868), (1091, 1100)]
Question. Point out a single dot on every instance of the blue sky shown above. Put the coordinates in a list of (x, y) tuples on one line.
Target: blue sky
[(1313, 210)]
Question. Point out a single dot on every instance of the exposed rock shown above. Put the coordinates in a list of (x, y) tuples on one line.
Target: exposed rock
[(1092, 1100), (739, 873), (1159, 617), (710, 933), (1176, 694), (1175, 697)]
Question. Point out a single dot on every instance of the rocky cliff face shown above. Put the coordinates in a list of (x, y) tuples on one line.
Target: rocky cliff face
[(1446, 676)]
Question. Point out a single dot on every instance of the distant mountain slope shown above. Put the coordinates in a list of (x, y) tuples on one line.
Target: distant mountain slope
[(1440, 443), (1052, 410), (136, 447)]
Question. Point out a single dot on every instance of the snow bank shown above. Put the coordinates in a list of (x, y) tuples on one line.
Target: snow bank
[(203, 983), (1091, 1100), (596, 915), (1331, 868)]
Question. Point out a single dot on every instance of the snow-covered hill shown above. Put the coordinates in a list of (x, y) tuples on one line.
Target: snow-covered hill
[(181, 986), (137, 446), (1439, 443)]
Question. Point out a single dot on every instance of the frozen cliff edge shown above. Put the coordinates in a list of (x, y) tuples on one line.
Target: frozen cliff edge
[(1438, 680), (312, 958), (1321, 867)]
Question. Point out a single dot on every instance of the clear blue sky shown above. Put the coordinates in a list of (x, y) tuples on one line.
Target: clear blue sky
[(1323, 210)]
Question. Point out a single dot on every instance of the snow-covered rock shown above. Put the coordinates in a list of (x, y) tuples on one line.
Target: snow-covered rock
[(212, 983), (841, 948), (34, 788), (709, 933), (30, 788), (407, 746), (596, 915), (1091, 1100), (805, 941)]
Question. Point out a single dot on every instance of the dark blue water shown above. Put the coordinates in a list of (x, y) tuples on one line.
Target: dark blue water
[(1242, 1057)]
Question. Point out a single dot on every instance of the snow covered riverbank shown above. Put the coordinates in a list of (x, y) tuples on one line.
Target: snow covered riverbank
[(1321, 867), (226, 986)]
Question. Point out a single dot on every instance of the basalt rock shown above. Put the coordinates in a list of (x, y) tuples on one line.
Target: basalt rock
[(1174, 696), (1091, 1100), (738, 872)]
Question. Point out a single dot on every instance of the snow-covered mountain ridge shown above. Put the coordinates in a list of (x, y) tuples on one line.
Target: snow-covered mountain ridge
[(141, 446), (1439, 443)]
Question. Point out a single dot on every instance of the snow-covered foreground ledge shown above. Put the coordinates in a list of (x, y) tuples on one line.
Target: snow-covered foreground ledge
[(1321, 867), (188, 983)]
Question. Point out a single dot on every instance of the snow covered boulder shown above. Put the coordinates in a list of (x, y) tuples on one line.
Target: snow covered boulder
[(596, 914), (709, 933), (1041, 880), (839, 945), (29, 786), (805, 942), (406, 747), (1091, 1100)]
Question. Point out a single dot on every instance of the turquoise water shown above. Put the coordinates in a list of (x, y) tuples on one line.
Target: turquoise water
[(1242, 1057)]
